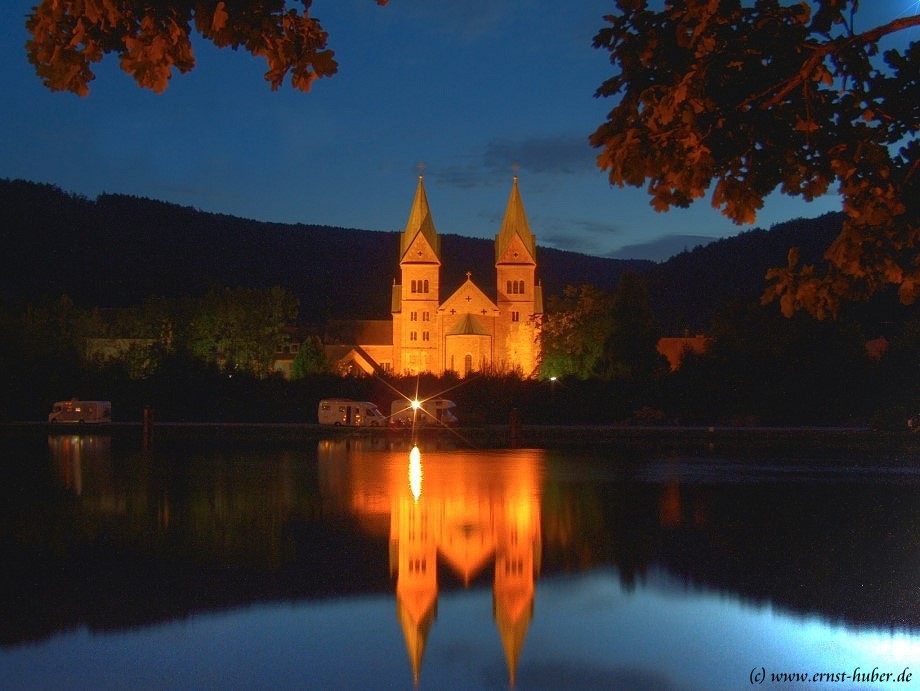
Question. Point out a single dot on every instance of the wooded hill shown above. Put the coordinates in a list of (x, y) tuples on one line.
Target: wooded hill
[(118, 250)]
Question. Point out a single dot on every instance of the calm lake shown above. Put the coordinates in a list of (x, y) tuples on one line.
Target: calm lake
[(269, 560)]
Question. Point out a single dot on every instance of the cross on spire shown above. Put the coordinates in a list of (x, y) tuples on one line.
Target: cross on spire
[(421, 169)]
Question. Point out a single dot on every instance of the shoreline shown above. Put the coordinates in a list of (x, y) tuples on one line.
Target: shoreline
[(721, 437)]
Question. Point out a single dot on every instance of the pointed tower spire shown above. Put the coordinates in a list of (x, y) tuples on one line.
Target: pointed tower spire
[(515, 225), (416, 626), (420, 221)]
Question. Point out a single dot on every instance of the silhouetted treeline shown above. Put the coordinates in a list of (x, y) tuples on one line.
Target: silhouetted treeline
[(814, 374)]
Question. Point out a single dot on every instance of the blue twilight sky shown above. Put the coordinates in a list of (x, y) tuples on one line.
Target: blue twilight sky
[(471, 89)]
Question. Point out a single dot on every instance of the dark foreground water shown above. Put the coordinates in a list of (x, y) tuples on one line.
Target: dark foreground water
[(267, 562)]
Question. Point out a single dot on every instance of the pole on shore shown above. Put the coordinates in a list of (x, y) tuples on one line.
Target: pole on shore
[(148, 426), (514, 429)]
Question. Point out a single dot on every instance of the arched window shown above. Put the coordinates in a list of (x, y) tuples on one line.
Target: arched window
[(520, 287), (468, 363), (426, 286), (413, 286), (509, 288)]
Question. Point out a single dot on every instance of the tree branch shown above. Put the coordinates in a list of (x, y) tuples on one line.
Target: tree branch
[(821, 52)]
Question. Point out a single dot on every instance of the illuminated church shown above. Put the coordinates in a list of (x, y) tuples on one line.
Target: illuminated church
[(467, 331)]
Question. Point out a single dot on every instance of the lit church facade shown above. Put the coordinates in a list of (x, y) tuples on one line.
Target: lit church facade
[(466, 331)]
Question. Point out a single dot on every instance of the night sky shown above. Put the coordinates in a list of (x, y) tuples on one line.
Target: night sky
[(474, 90)]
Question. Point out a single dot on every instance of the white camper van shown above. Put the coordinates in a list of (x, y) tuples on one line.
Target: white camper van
[(434, 411), (344, 411), (80, 412)]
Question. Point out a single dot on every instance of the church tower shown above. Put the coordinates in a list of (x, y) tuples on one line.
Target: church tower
[(416, 298), (519, 296)]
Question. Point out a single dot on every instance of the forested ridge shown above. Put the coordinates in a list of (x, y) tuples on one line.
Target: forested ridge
[(117, 250)]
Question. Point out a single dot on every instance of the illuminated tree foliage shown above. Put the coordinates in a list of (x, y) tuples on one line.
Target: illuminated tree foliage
[(574, 331), (747, 98), (310, 360), (150, 38), (239, 329)]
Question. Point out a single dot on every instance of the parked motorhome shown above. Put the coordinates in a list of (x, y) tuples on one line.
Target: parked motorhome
[(81, 412), (434, 411), (344, 411)]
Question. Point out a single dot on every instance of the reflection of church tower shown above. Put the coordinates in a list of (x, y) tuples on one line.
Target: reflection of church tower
[(469, 516), (517, 562), (463, 512), (416, 341), (520, 299), (415, 555)]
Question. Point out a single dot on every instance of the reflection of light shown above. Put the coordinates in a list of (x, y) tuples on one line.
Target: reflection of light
[(416, 404), (897, 645), (415, 472)]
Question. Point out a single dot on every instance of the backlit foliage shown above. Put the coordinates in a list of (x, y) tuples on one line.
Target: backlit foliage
[(238, 329), (746, 98), (151, 38), (574, 331)]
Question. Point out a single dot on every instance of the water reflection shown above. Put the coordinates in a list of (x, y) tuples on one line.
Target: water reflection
[(456, 511), (434, 516), (837, 540), (225, 504), (353, 544), (70, 453)]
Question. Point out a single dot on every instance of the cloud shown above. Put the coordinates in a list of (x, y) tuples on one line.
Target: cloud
[(569, 243), (584, 235), (662, 248), (564, 153), (468, 20), (598, 228), (465, 177)]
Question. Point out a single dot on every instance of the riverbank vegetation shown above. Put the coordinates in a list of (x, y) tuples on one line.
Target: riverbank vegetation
[(761, 368)]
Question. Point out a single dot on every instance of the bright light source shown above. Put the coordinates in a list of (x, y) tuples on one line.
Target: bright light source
[(416, 404), (415, 472)]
